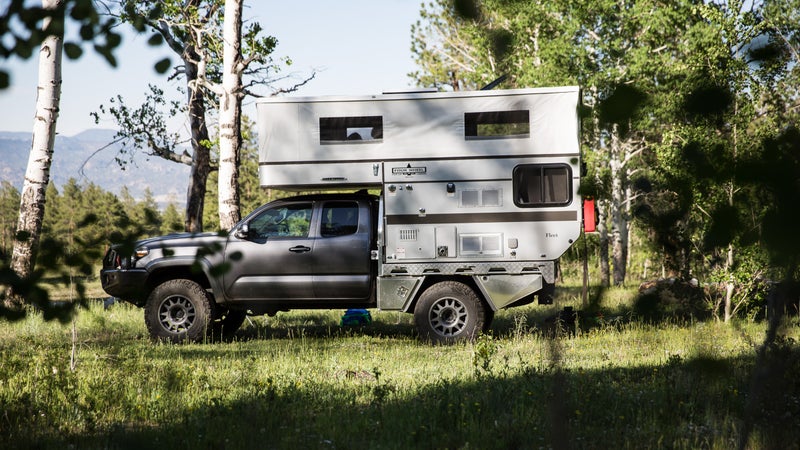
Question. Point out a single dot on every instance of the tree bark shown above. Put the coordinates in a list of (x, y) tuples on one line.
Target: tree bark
[(230, 116), (602, 232), (619, 222), (201, 154), (37, 174)]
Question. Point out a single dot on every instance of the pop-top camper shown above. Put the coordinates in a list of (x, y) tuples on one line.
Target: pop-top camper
[(482, 183)]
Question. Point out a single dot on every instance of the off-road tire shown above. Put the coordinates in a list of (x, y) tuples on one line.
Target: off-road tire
[(449, 312), (178, 311)]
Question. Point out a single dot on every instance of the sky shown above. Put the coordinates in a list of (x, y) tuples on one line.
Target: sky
[(355, 46)]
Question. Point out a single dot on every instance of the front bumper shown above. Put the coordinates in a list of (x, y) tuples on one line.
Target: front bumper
[(126, 284)]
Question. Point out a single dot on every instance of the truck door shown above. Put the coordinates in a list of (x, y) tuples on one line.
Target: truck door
[(342, 252), (276, 256)]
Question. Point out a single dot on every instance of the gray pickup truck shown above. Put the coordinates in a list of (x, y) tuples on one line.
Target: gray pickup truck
[(297, 253)]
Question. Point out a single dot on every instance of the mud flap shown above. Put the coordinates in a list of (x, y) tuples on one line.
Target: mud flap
[(503, 290)]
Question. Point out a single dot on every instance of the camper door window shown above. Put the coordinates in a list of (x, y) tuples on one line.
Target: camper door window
[(538, 185), (337, 130)]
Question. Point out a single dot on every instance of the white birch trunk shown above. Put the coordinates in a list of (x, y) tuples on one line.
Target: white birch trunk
[(230, 116), (37, 175)]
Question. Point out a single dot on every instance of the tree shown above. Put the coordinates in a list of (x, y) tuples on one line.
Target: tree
[(9, 210), (180, 25), (230, 115), (193, 30), (171, 220), (620, 52), (37, 175), (252, 195), (143, 214), (443, 44)]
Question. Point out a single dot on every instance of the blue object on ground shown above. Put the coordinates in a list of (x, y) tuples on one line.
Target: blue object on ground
[(355, 317)]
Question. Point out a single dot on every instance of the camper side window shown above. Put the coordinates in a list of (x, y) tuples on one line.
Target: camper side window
[(337, 130), (542, 185), (497, 124)]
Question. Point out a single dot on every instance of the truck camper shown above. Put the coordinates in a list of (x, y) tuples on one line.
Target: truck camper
[(478, 188), (447, 205)]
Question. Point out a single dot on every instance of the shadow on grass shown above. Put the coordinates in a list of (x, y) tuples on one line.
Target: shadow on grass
[(687, 403), (528, 319)]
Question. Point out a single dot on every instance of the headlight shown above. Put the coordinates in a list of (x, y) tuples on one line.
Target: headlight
[(141, 252)]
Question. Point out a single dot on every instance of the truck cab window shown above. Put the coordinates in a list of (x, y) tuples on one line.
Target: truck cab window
[(542, 185), (339, 219), (282, 221)]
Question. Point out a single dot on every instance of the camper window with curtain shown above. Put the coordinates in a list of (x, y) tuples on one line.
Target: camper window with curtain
[(537, 185)]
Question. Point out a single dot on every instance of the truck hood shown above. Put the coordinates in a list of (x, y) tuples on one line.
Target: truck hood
[(182, 240)]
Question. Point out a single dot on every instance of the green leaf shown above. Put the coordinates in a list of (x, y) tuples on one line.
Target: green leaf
[(113, 40), (73, 51), (468, 9), (87, 32), (163, 65), (105, 51), (155, 40)]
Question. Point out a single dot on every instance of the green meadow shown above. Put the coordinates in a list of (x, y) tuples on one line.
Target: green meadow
[(300, 380)]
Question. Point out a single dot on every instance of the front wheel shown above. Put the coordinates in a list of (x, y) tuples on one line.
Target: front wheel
[(178, 310), (449, 312)]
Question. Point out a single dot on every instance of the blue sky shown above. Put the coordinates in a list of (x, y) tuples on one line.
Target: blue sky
[(356, 46)]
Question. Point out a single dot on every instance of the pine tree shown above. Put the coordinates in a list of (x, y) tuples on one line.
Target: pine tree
[(171, 221), (9, 210)]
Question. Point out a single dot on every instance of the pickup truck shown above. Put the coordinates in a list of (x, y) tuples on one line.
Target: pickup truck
[(303, 252)]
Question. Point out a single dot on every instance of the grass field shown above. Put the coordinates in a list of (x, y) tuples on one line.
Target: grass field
[(299, 380)]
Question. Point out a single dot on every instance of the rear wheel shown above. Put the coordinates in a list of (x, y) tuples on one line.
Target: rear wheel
[(178, 310), (449, 312)]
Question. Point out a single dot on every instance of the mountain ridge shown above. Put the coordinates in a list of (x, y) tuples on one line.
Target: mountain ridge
[(89, 157)]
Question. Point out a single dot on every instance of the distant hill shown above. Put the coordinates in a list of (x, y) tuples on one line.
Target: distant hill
[(167, 180)]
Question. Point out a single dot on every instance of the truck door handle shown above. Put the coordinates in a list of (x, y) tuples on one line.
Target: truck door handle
[(300, 249)]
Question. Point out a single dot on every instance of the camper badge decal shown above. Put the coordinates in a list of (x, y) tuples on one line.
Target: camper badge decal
[(409, 171)]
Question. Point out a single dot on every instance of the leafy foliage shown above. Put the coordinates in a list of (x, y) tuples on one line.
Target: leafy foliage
[(21, 30)]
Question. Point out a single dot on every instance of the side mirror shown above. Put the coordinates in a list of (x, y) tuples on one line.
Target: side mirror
[(243, 232)]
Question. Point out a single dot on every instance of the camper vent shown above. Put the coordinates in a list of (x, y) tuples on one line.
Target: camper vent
[(471, 198), (409, 234), (481, 244)]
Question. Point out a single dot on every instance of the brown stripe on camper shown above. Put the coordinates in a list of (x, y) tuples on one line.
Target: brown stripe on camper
[(526, 216)]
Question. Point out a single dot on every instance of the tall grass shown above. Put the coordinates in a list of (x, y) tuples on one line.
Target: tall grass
[(299, 380)]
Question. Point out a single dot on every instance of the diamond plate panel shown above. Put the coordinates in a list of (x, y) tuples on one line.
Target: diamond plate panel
[(545, 268)]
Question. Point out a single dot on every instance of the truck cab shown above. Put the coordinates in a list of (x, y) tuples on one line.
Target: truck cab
[(310, 249)]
